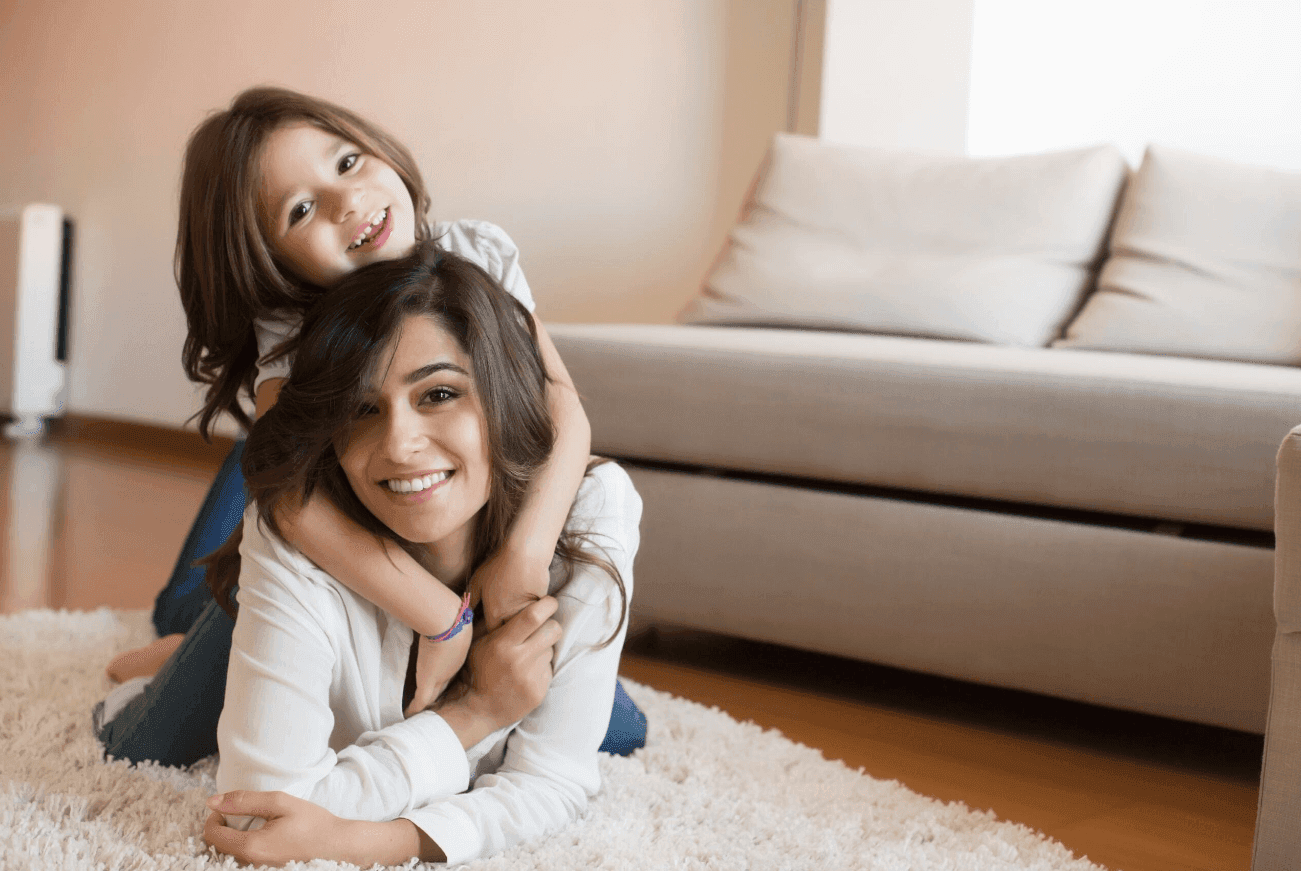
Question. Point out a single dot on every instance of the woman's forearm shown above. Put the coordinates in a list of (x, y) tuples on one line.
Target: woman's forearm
[(392, 843)]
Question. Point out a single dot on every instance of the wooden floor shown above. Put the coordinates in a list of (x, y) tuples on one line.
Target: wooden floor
[(95, 515)]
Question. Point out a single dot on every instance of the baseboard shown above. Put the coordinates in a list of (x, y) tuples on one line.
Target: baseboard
[(158, 441)]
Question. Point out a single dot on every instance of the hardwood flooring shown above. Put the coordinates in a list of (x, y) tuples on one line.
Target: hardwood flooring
[(96, 514)]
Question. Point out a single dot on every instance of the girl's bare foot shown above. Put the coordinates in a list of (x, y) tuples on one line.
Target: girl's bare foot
[(143, 661)]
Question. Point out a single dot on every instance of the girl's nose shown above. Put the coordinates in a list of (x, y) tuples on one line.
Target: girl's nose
[(349, 200)]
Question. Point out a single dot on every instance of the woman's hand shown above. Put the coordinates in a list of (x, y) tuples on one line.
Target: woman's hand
[(295, 830), (510, 671), (437, 662)]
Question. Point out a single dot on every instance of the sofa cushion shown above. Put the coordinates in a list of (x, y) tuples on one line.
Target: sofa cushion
[(1156, 437), (1205, 262), (993, 250)]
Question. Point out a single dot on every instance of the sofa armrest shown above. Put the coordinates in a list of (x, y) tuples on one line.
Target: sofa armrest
[(1287, 534), (1278, 837)]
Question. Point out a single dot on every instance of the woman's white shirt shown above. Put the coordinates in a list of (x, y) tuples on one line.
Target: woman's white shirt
[(478, 241), (314, 697)]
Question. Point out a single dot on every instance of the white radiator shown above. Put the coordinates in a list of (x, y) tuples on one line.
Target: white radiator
[(34, 264)]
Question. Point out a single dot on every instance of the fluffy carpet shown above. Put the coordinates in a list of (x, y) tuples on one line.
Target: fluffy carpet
[(706, 791)]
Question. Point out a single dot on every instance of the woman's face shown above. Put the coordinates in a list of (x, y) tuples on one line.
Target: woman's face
[(327, 208), (417, 456)]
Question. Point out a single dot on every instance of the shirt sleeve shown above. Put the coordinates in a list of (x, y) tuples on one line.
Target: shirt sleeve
[(275, 728), (550, 768), (271, 333), (488, 245)]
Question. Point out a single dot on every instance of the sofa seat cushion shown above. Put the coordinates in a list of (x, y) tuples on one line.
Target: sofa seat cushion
[(1156, 437)]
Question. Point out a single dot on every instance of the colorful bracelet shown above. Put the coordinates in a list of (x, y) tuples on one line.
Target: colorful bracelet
[(463, 619)]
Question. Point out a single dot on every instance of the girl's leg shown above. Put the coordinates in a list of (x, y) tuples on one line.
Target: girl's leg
[(627, 730), (180, 602), (174, 719)]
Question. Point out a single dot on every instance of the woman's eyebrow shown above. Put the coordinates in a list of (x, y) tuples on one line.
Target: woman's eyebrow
[(425, 371)]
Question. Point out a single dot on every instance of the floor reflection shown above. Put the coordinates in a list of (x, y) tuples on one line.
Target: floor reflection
[(86, 525), (34, 472)]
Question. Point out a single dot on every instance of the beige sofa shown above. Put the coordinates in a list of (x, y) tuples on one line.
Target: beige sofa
[(1278, 836), (988, 432)]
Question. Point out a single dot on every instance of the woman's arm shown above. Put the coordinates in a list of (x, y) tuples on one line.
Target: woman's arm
[(299, 831), (513, 664), (550, 765), (519, 573)]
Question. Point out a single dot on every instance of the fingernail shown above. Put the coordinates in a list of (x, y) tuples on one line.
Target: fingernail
[(216, 800)]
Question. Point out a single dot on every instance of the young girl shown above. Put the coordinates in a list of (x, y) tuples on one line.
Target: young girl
[(281, 196), (423, 362)]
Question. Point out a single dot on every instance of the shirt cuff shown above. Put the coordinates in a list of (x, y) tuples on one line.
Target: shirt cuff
[(432, 755), (452, 830)]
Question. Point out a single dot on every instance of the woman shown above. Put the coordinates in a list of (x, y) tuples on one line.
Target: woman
[(282, 194), (421, 367)]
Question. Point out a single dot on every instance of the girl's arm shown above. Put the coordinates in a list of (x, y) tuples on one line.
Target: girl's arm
[(379, 571), (519, 573)]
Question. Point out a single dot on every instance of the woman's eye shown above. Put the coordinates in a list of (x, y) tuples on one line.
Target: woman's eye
[(441, 394), (348, 162), (366, 410), (299, 212)]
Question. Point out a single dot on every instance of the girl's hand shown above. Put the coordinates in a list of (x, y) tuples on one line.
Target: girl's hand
[(437, 662), (510, 667), (295, 830), (508, 583)]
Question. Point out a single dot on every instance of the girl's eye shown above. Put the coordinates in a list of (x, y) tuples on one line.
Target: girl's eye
[(348, 162), (366, 410), (299, 212)]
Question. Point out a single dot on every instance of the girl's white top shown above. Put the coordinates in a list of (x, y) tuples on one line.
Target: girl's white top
[(314, 697), (479, 241)]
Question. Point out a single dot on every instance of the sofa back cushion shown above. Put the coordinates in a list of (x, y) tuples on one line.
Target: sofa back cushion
[(993, 250), (1205, 261)]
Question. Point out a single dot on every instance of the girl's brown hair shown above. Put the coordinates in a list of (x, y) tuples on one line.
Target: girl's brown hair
[(344, 343), (226, 271)]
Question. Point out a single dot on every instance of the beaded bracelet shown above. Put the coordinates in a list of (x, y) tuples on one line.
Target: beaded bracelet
[(464, 618)]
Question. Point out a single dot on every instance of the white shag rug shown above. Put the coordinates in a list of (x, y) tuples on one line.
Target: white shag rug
[(706, 791)]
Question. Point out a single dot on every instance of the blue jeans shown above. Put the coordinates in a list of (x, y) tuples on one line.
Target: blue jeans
[(174, 721)]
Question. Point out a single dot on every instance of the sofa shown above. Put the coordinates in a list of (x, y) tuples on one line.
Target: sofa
[(1011, 421), (1278, 837)]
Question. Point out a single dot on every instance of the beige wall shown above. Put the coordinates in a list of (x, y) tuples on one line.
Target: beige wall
[(613, 139)]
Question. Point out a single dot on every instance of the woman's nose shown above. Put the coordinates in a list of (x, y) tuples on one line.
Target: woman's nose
[(402, 436)]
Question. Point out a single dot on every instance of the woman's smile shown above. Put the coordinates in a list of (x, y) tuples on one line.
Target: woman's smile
[(416, 489), (417, 453)]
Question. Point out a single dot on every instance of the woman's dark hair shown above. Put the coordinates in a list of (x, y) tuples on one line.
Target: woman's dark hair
[(344, 344), (226, 272)]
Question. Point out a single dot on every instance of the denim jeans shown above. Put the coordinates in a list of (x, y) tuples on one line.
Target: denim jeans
[(174, 721)]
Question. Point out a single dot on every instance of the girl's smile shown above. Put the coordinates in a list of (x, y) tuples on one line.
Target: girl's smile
[(373, 233), (327, 207)]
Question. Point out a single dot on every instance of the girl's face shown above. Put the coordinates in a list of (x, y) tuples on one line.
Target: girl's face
[(417, 456), (327, 208)]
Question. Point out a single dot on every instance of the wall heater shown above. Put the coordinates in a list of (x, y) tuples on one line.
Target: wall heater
[(35, 266)]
